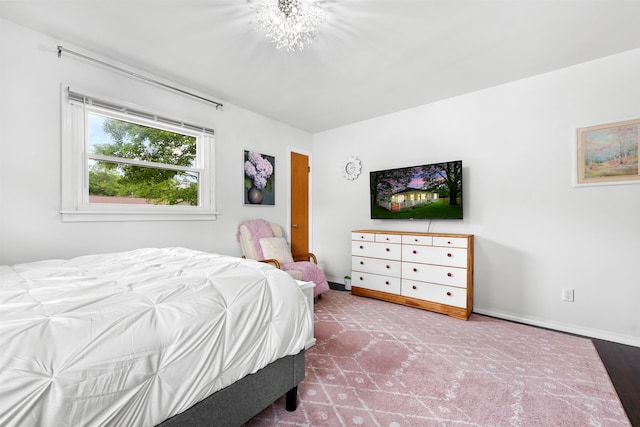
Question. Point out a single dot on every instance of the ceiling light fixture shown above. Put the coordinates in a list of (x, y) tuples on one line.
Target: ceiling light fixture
[(290, 24)]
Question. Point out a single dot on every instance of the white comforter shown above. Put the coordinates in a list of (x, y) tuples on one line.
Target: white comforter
[(130, 339)]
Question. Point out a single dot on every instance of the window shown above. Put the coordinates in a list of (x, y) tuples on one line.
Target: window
[(123, 164)]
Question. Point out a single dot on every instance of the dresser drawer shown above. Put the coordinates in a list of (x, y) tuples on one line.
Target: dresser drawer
[(444, 275), (449, 295), (454, 257), (389, 251), (450, 242), (376, 282), (367, 237), (376, 266), (417, 240), (389, 238)]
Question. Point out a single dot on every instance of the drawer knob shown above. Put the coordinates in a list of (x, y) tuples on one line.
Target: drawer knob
[(414, 287), (415, 270), (449, 255), (415, 240), (387, 249), (386, 283), (388, 266), (361, 262), (449, 242), (361, 247), (361, 278), (415, 252), (448, 294), (387, 239), (449, 274)]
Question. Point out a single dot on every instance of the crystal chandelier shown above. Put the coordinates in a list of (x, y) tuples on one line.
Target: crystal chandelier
[(290, 24)]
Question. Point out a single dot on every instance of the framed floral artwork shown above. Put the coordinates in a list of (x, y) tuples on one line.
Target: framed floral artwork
[(608, 154), (259, 179)]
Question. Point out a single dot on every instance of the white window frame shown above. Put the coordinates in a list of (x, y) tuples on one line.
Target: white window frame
[(75, 165)]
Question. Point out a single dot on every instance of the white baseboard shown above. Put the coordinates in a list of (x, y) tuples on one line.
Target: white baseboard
[(562, 327), (556, 326)]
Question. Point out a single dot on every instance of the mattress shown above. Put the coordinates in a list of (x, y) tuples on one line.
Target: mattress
[(133, 338)]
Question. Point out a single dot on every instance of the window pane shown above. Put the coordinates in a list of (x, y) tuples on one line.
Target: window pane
[(120, 138), (129, 184)]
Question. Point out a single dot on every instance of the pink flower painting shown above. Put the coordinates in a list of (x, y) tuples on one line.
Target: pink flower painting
[(259, 177)]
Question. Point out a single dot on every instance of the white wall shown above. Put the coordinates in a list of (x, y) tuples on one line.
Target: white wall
[(30, 226), (535, 233)]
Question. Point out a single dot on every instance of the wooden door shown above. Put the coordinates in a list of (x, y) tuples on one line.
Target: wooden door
[(299, 203)]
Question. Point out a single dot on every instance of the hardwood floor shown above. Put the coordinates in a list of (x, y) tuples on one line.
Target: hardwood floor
[(623, 365)]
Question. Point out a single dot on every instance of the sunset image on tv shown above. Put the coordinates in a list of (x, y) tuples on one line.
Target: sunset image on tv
[(427, 191)]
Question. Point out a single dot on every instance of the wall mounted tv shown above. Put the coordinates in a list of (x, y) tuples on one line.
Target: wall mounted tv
[(431, 191)]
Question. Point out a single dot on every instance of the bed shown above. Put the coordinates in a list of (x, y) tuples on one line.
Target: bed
[(153, 336)]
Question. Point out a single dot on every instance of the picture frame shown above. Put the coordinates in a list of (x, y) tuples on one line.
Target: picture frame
[(259, 179), (608, 153)]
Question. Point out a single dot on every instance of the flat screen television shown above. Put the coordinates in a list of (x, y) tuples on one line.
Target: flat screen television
[(430, 191)]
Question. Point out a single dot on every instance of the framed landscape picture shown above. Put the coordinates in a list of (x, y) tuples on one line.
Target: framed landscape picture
[(259, 179), (609, 153)]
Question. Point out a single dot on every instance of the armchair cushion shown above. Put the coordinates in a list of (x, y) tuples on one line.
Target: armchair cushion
[(310, 272), (276, 248)]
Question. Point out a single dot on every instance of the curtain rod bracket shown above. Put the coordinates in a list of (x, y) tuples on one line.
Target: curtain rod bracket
[(140, 77)]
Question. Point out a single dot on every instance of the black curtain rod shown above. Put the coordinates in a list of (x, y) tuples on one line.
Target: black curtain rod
[(138, 76)]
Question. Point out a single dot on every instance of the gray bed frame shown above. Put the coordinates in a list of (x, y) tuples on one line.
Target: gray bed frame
[(238, 403)]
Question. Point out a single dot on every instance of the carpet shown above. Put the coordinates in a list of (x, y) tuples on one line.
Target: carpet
[(382, 364)]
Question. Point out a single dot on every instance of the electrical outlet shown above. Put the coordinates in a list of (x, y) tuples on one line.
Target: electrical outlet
[(567, 294)]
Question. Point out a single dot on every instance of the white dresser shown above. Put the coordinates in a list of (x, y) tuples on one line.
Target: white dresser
[(433, 271)]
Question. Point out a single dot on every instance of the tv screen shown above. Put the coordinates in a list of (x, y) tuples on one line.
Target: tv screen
[(431, 191)]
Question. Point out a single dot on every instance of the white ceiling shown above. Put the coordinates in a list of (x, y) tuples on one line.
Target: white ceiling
[(371, 57)]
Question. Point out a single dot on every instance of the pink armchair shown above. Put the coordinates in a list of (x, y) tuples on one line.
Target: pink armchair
[(264, 241)]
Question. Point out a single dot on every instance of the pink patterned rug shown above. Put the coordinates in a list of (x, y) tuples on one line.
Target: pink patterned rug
[(382, 364)]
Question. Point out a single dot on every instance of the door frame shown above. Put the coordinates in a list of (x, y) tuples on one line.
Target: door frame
[(308, 154)]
